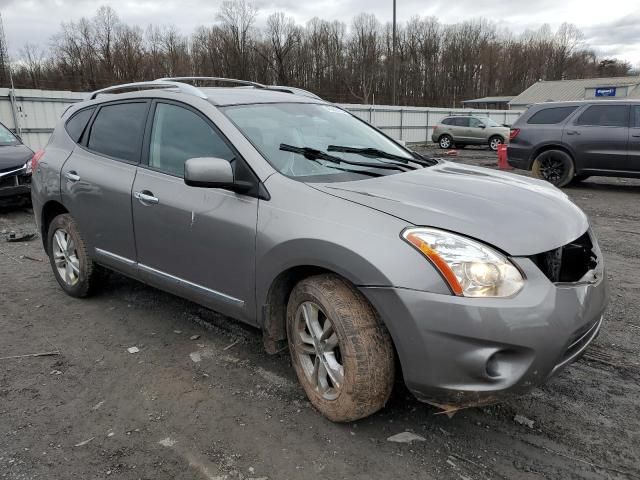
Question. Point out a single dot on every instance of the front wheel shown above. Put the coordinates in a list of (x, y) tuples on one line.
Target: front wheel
[(74, 270), (554, 166), (342, 354)]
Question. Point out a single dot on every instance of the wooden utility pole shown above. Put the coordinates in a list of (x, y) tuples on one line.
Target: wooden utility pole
[(393, 58)]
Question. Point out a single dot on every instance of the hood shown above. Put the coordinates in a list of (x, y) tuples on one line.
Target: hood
[(518, 215), (14, 156)]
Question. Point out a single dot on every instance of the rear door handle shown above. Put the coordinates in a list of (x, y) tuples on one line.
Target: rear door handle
[(146, 197), (72, 176)]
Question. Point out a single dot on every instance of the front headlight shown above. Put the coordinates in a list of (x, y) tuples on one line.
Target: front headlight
[(28, 167), (470, 268)]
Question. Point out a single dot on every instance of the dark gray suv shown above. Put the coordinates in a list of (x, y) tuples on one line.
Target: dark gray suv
[(563, 142), (289, 213)]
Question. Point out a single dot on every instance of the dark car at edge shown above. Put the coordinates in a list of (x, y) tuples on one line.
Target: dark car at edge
[(15, 165), (564, 142)]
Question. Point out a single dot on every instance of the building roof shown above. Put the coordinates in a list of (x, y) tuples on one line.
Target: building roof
[(490, 100), (567, 90)]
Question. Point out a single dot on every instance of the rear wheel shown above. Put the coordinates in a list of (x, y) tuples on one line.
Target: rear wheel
[(554, 166), (74, 270), (495, 142), (342, 355), (445, 141)]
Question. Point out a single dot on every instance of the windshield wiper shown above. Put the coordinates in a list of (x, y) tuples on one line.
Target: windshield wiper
[(368, 152), (377, 153), (313, 154)]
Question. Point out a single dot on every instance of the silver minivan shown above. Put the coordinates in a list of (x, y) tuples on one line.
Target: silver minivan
[(290, 214)]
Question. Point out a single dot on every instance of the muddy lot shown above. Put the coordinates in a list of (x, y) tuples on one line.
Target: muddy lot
[(200, 399)]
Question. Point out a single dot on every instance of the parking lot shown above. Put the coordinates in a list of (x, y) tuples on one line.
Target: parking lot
[(200, 398)]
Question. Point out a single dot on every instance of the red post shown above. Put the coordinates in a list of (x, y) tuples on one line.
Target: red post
[(502, 158)]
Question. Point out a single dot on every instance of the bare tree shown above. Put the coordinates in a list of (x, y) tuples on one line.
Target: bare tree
[(438, 65), (34, 61), (236, 19)]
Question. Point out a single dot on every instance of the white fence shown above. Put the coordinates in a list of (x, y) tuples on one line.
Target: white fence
[(415, 124), (34, 113)]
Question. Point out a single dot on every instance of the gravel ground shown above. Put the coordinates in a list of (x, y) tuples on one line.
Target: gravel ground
[(200, 399)]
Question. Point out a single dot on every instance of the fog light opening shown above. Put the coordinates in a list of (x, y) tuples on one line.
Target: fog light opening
[(493, 366)]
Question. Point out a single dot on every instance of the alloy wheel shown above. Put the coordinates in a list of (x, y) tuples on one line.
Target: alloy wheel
[(445, 142), (318, 349), (495, 143), (65, 257), (552, 169)]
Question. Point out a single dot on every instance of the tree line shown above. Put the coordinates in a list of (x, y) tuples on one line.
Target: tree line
[(437, 64)]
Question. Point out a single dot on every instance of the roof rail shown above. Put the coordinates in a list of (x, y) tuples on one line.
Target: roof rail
[(217, 79), (164, 83)]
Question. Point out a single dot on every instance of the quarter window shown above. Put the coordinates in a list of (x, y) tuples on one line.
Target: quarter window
[(550, 116), (77, 123), (179, 134), (605, 116), (118, 129)]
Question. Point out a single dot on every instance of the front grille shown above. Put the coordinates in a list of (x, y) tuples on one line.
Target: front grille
[(568, 263)]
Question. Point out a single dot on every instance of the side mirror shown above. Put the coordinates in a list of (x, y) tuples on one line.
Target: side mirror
[(208, 172)]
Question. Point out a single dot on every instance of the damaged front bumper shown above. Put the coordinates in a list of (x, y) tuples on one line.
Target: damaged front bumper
[(15, 182), (462, 352)]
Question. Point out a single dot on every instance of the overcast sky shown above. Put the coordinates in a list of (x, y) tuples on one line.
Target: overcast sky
[(612, 29)]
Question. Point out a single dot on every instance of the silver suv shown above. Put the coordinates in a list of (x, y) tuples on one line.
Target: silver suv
[(292, 215), (460, 131)]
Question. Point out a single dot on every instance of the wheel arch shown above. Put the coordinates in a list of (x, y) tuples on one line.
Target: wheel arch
[(287, 264), (50, 210), (553, 146)]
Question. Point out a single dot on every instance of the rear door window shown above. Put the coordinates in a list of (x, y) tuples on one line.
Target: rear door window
[(605, 116), (179, 134), (550, 116), (118, 129), (77, 123), (462, 122)]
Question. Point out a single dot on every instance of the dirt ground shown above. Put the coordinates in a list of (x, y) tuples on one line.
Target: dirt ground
[(200, 399)]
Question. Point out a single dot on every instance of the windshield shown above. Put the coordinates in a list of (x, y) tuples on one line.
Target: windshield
[(6, 137), (489, 122), (317, 127)]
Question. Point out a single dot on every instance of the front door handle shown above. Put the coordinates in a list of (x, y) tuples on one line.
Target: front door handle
[(72, 176), (634, 135), (146, 197), (573, 132)]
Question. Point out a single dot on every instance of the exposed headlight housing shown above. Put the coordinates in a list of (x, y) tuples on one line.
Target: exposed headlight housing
[(28, 167), (470, 268)]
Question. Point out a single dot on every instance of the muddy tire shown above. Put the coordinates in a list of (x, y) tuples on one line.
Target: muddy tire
[(342, 354), (76, 273), (554, 166), (445, 142)]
